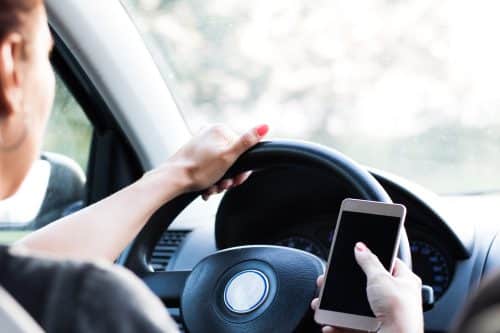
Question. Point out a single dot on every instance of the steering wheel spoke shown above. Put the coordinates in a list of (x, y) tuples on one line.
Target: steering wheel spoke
[(168, 286)]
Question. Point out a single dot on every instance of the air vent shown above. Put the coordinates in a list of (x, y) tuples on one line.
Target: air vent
[(166, 248)]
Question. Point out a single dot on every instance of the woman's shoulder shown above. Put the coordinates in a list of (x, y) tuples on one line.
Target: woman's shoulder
[(64, 295)]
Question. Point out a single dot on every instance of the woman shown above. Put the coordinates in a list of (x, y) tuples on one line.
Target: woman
[(73, 295)]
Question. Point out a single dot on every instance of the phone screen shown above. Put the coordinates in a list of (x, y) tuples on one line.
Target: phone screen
[(345, 288)]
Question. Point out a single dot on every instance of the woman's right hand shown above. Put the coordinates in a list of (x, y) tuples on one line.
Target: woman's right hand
[(396, 299)]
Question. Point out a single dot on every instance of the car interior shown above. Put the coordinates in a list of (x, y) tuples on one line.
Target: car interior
[(283, 216)]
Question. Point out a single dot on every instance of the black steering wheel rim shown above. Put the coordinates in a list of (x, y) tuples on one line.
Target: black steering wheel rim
[(266, 155)]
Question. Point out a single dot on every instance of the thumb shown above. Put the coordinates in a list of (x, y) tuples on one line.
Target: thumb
[(401, 269), (368, 262), (249, 139)]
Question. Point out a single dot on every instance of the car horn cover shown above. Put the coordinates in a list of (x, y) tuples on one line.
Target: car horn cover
[(272, 288)]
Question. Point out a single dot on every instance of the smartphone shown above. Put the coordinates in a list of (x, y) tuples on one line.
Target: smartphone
[(343, 299)]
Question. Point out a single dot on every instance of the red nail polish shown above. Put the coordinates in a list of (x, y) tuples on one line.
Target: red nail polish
[(360, 247), (262, 130)]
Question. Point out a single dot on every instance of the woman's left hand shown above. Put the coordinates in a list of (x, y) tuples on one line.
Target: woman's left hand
[(207, 157)]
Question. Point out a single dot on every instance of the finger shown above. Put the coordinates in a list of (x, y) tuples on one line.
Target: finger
[(329, 329), (225, 185), (210, 191), (241, 178), (249, 139), (345, 330), (205, 196), (315, 303), (368, 262), (401, 269), (320, 280)]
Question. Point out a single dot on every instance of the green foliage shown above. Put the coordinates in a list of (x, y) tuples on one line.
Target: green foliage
[(8, 237), (69, 131)]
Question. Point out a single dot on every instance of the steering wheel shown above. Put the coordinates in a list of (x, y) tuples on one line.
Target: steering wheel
[(251, 288)]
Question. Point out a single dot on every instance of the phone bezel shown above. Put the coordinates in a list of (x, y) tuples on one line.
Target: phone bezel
[(348, 320)]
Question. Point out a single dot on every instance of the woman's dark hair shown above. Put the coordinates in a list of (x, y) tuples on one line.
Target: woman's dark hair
[(15, 15)]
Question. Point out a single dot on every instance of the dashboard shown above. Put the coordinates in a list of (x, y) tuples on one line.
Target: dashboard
[(449, 240), (431, 261)]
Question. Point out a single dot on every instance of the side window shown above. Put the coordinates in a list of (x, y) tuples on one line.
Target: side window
[(69, 132), (56, 184)]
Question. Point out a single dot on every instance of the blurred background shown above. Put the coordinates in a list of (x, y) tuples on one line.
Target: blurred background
[(407, 86), (69, 132)]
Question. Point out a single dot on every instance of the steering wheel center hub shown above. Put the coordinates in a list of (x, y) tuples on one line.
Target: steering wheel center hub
[(246, 291)]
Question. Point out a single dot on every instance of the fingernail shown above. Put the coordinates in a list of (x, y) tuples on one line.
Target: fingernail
[(262, 130), (360, 247)]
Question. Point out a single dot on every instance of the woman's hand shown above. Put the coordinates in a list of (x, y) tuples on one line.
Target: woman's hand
[(205, 159), (395, 299), (212, 152)]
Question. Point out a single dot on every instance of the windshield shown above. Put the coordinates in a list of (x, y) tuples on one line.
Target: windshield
[(407, 86)]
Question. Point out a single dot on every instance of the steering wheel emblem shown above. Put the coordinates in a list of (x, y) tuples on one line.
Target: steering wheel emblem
[(246, 291)]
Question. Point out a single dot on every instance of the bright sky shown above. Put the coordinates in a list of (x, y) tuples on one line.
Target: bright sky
[(409, 86)]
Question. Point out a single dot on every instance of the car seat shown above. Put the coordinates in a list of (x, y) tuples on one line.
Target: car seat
[(65, 191), (13, 317), (53, 188)]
